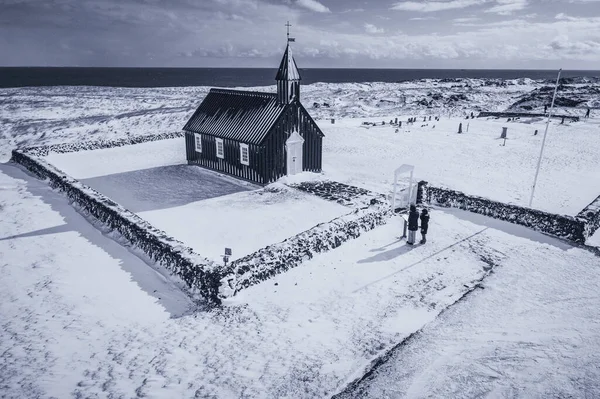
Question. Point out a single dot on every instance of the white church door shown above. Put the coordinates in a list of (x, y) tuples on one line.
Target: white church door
[(294, 146)]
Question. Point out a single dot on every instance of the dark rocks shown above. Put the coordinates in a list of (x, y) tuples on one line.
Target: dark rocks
[(341, 193)]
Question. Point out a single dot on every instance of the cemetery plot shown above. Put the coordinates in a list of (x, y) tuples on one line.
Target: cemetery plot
[(475, 162)]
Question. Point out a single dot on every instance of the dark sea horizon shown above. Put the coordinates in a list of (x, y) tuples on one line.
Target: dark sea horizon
[(249, 77)]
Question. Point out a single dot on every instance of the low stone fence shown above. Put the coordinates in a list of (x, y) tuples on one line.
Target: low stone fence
[(43, 151), (199, 274), (591, 214), (562, 226), (278, 258), (574, 118), (202, 276)]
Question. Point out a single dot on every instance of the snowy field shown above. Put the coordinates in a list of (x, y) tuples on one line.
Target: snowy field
[(476, 162), (82, 316), (48, 115), (84, 321), (509, 340)]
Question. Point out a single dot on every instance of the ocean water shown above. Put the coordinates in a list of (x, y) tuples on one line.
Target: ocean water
[(245, 77)]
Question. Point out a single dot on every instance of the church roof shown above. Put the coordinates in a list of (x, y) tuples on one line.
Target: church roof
[(244, 116), (288, 70)]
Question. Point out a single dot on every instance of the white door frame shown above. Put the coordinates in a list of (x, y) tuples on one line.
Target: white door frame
[(404, 169), (294, 148)]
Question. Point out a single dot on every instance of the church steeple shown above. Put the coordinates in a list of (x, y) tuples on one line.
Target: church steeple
[(288, 77)]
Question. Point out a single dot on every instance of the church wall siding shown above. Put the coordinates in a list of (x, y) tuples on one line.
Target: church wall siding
[(231, 164)]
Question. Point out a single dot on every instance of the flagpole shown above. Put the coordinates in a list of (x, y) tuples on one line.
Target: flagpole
[(537, 171)]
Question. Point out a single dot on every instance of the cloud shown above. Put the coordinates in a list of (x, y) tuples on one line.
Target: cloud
[(466, 19), (250, 33), (352, 10), (505, 7), (424, 18), (369, 28), (433, 6), (564, 44), (565, 17), (312, 5)]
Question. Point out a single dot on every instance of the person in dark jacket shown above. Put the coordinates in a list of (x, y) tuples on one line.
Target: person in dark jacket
[(413, 225), (424, 225)]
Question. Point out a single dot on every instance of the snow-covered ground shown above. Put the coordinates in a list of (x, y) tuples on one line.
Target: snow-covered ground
[(476, 162), (81, 316), (245, 222), (532, 332), (205, 210), (48, 115)]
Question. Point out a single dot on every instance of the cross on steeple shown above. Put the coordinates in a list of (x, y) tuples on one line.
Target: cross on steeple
[(288, 29)]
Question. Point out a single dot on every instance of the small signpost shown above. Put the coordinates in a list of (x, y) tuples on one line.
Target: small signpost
[(503, 135), (405, 218), (227, 255)]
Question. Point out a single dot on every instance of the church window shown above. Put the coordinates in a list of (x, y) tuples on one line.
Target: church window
[(198, 142), (220, 148), (244, 154)]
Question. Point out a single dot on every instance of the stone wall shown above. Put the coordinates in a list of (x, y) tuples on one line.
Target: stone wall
[(203, 277), (199, 274), (278, 258), (591, 214), (43, 151), (562, 226)]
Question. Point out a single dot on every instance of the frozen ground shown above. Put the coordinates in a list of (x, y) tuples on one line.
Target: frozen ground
[(532, 332), (110, 161), (475, 162), (83, 321), (78, 318), (163, 187), (81, 316), (147, 177), (46, 115), (205, 210), (246, 221)]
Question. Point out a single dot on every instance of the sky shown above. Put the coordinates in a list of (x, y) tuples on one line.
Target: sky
[(469, 34)]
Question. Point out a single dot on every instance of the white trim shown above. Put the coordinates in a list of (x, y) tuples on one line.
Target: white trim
[(198, 142), (220, 154), (408, 199), (247, 151)]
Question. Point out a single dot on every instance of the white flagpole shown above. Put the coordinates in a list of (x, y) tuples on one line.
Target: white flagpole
[(537, 171)]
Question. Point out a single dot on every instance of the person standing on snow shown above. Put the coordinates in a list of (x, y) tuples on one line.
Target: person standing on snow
[(413, 225), (424, 225)]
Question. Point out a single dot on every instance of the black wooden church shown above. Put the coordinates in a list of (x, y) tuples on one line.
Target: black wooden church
[(256, 136)]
